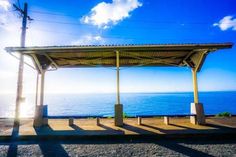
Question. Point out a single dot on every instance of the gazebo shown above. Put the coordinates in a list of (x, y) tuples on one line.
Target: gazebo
[(152, 55)]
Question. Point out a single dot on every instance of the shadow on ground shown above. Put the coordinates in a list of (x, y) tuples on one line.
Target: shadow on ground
[(56, 146)]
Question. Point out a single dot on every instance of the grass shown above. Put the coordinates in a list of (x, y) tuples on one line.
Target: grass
[(223, 114)]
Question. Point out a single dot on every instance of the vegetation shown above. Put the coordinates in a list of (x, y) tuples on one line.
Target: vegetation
[(125, 115), (223, 114)]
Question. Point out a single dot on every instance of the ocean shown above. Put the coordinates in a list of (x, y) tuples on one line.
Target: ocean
[(133, 103)]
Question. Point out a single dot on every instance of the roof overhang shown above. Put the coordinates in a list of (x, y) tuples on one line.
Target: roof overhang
[(192, 55)]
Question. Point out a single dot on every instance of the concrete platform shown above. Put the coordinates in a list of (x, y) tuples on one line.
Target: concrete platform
[(59, 128)]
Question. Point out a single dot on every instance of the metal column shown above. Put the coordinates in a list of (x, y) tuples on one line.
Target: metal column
[(118, 107), (117, 77), (195, 85), (42, 88), (38, 119), (37, 90), (196, 107)]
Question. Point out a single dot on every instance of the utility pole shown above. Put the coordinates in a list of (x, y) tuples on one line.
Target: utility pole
[(25, 16)]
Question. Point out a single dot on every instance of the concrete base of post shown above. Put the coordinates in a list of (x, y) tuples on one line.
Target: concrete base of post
[(71, 121), (193, 120), (16, 122), (45, 121), (118, 115), (198, 110), (166, 120), (38, 117), (139, 121), (97, 121)]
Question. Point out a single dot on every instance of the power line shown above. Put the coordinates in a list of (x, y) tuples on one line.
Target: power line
[(146, 21), (130, 20), (18, 4), (82, 24), (184, 25), (107, 37), (53, 14), (117, 26), (110, 37), (76, 35), (60, 22), (22, 12)]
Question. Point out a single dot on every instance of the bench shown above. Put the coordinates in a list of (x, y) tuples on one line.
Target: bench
[(166, 117)]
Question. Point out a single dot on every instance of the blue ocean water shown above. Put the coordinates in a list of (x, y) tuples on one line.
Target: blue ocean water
[(133, 103)]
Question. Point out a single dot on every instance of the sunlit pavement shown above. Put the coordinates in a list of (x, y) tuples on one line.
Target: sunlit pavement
[(150, 126), (60, 139)]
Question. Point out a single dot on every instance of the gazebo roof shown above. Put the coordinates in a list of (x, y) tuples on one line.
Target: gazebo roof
[(192, 55)]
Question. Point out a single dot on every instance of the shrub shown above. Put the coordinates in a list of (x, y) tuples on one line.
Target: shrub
[(125, 115), (224, 114)]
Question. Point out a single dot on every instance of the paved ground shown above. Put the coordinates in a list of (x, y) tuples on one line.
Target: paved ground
[(132, 144), (149, 126), (112, 147)]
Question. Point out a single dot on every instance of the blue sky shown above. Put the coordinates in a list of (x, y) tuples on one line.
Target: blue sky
[(122, 22)]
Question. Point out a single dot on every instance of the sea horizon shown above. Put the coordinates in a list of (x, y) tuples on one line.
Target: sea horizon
[(102, 104), (138, 92)]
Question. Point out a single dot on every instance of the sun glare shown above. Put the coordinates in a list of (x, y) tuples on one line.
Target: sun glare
[(25, 109)]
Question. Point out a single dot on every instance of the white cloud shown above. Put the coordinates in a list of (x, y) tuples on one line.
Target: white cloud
[(105, 14), (228, 22), (8, 21), (89, 40), (9, 27), (5, 5)]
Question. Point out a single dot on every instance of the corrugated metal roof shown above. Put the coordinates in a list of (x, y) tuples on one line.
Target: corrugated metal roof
[(130, 54), (208, 45)]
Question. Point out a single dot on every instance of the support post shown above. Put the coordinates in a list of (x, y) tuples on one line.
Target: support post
[(166, 120), (42, 88), (37, 89), (195, 85), (97, 121), (196, 107), (117, 77), (139, 120), (71, 121), (38, 119), (21, 66), (118, 107)]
